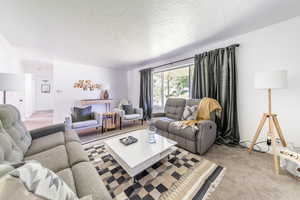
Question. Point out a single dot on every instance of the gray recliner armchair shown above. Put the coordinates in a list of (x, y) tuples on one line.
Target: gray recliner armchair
[(136, 115), (194, 140)]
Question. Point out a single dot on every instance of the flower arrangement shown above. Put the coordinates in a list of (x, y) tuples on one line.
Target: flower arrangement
[(87, 85)]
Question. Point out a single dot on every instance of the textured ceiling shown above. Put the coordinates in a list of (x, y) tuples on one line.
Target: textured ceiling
[(127, 33)]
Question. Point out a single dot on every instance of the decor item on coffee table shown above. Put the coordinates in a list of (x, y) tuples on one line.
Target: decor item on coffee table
[(194, 140), (270, 80), (139, 156), (133, 114), (109, 121), (83, 118), (183, 175)]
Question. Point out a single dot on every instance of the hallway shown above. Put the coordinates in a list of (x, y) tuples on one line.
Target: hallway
[(39, 119)]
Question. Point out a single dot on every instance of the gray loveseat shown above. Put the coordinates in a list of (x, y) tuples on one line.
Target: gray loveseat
[(54, 148), (191, 139)]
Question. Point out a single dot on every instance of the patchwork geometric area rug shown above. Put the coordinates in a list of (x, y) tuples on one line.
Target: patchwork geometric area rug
[(181, 176)]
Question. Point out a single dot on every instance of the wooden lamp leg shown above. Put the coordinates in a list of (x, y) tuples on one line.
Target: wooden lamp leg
[(279, 131), (259, 128)]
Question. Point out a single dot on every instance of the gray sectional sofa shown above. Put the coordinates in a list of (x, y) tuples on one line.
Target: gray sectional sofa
[(53, 147), (191, 139)]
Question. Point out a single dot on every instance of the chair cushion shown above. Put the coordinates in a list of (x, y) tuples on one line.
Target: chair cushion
[(88, 182), (128, 109), (67, 176), (82, 114), (44, 143), (9, 151), (132, 116), (84, 124), (55, 159), (162, 123), (76, 153), (11, 121)]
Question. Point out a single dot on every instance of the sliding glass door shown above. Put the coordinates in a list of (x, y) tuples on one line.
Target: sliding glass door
[(170, 83)]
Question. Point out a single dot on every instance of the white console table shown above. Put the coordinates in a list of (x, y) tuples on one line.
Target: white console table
[(106, 102)]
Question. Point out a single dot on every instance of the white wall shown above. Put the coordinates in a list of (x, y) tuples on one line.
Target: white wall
[(44, 101), (273, 47), (66, 74), (42, 72), (10, 63)]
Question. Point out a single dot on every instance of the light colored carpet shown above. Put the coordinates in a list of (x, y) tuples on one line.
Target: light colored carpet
[(251, 176)]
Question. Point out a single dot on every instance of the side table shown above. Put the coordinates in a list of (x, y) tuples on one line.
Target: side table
[(109, 121)]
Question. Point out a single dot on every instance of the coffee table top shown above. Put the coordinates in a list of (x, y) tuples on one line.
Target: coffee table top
[(140, 151)]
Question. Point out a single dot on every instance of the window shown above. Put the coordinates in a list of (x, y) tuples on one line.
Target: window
[(171, 83)]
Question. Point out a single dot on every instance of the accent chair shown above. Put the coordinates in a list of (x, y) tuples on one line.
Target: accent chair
[(132, 114)]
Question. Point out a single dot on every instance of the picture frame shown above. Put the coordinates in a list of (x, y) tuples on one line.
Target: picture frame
[(45, 88)]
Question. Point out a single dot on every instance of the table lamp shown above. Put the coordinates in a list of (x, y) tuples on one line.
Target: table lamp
[(268, 81), (10, 82)]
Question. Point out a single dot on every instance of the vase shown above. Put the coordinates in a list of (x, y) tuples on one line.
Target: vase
[(105, 95)]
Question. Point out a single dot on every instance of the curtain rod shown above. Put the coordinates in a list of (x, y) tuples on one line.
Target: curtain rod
[(170, 63)]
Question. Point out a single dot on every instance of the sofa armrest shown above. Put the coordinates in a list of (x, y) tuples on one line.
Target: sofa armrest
[(68, 123), (47, 130), (158, 115), (206, 136), (120, 112), (97, 116)]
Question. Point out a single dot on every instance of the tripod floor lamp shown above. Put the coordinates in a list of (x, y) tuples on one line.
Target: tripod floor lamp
[(10, 82), (270, 80)]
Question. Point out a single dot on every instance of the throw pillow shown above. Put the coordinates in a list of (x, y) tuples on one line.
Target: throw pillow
[(42, 182), (128, 109), (82, 114), (189, 112)]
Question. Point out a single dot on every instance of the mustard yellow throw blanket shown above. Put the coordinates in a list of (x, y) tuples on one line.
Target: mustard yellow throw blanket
[(205, 107)]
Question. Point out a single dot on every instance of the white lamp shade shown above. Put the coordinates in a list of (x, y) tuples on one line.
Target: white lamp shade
[(11, 82), (271, 79)]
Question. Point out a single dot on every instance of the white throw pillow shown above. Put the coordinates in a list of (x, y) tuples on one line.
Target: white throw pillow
[(43, 182), (189, 112)]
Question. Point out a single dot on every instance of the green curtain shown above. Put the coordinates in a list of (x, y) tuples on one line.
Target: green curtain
[(215, 77), (146, 92)]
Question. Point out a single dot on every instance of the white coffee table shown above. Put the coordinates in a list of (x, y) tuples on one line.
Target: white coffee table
[(141, 155)]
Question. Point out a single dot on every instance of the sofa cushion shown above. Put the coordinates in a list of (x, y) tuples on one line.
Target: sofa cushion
[(67, 176), (88, 182), (187, 132), (43, 143), (76, 153), (86, 123), (82, 114), (132, 116), (174, 108), (162, 122), (71, 136), (55, 159), (9, 151), (11, 121)]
